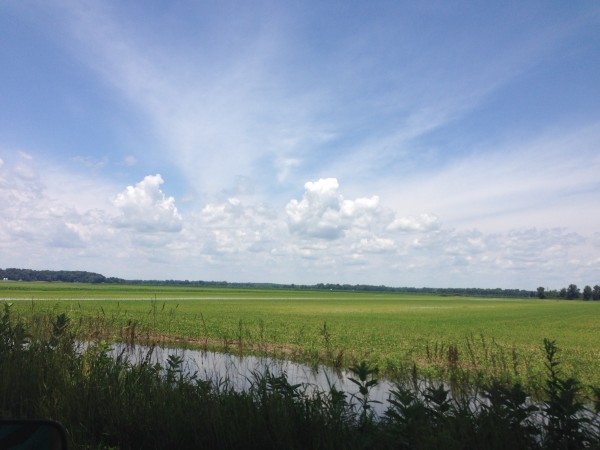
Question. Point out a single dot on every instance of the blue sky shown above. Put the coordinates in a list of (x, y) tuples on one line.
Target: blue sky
[(399, 143)]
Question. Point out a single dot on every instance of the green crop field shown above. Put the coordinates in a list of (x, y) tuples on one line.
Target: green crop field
[(495, 337)]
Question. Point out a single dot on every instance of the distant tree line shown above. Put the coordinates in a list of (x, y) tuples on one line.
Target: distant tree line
[(67, 276), (570, 293), (89, 277), (476, 292)]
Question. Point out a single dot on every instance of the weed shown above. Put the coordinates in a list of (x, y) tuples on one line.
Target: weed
[(507, 416), (365, 382), (13, 334), (326, 335), (452, 356), (174, 369), (563, 409), (240, 337)]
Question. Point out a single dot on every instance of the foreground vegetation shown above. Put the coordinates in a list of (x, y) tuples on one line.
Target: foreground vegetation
[(105, 401)]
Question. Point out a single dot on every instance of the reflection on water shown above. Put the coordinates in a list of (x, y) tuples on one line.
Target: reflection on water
[(238, 371)]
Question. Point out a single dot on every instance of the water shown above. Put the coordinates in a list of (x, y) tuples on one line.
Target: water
[(238, 371)]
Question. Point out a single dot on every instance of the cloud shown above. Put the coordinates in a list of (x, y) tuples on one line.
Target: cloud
[(223, 213), (92, 163), (130, 160), (284, 166), (375, 245), (25, 168), (423, 222), (66, 236), (235, 228), (145, 208), (440, 126), (335, 239), (323, 212), (529, 247), (544, 181), (50, 219), (222, 95), (518, 257)]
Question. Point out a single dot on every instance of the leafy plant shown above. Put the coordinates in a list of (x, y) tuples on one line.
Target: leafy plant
[(13, 334), (562, 409), (507, 416), (366, 381), (174, 368)]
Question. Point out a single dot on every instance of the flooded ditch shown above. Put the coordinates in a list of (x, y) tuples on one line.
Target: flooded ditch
[(239, 372)]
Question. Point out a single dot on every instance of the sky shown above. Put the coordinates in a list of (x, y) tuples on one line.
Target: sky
[(430, 143)]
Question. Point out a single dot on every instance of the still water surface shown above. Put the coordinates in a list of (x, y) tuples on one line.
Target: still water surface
[(238, 371)]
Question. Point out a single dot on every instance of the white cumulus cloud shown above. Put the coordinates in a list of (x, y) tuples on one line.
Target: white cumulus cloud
[(323, 212), (145, 208)]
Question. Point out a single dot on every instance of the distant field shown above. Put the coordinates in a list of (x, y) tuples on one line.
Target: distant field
[(495, 336)]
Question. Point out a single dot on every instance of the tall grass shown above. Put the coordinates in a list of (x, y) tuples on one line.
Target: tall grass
[(106, 401)]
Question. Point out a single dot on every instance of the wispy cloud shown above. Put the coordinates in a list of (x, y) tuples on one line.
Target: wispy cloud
[(205, 110), (513, 184)]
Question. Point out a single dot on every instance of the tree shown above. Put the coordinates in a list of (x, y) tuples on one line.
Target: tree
[(596, 293), (587, 293), (541, 292), (563, 293), (573, 292)]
